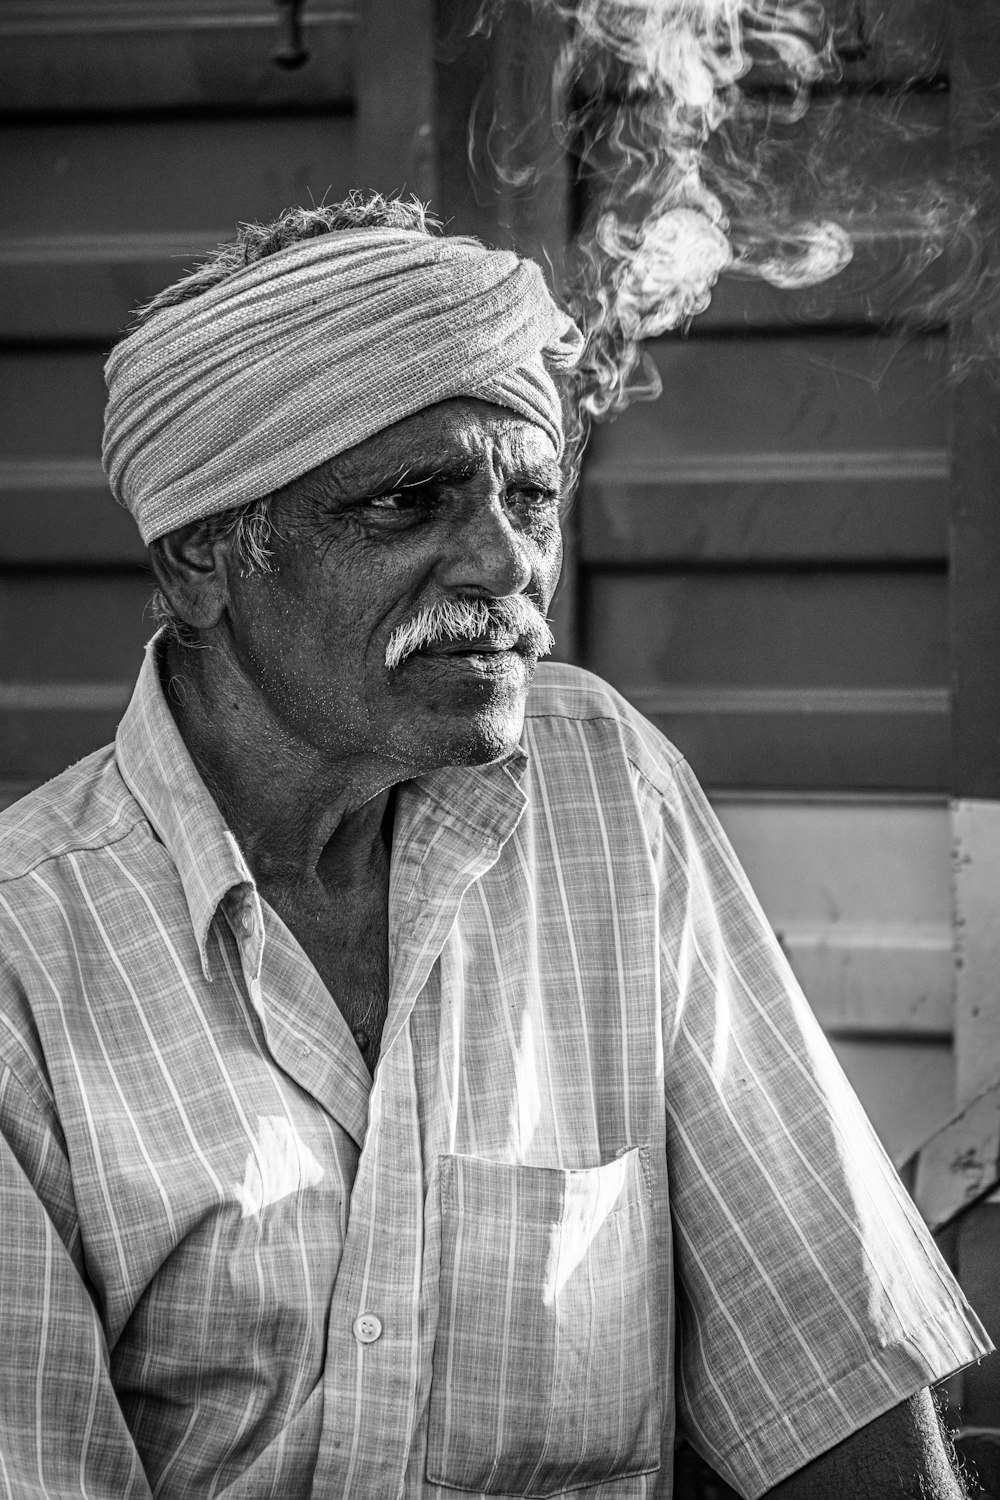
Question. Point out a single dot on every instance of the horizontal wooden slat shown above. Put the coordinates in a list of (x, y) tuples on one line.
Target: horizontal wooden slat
[(75, 16), (169, 175), (816, 629), (872, 978), (858, 893), (687, 516), (37, 744), (704, 469), (742, 701), (802, 680), (87, 286), (73, 628), (809, 399), (896, 277), (99, 57), (62, 513), (70, 649), (814, 752), (46, 726), (62, 697), (53, 404), (815, 448)]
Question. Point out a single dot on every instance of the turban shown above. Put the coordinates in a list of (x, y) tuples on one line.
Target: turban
[(235, 392)]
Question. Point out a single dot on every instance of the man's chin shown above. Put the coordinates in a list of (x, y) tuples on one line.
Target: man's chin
[(470, 737), (457, 713), (481, 740)]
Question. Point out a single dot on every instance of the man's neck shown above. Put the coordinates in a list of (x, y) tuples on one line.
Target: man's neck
[(295, 815)]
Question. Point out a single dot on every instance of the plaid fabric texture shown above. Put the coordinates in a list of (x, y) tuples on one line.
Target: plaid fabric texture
[(608, 1171)]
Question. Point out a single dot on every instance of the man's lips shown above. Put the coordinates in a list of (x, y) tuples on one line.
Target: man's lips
[(482, 646)]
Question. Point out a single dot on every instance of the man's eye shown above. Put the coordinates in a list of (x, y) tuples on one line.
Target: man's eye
[(397, 500), (533, 501)]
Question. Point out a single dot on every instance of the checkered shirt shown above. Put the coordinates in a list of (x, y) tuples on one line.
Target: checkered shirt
[(608, 1178)]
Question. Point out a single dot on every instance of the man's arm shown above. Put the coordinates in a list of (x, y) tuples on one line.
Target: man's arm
[(62, 1431), (810, 1296), (900, 1456)]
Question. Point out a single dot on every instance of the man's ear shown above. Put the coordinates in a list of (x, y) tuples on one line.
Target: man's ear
[(191, 566)]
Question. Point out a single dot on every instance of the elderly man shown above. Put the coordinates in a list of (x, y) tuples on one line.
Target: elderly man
[(401, 1091)]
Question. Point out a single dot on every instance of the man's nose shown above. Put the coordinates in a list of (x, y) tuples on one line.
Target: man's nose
[(486, 555)]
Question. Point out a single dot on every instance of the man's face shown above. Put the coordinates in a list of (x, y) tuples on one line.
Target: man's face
[(459, 501)]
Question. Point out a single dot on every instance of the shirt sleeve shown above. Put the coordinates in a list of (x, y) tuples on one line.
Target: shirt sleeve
[(811, 1298), (62, 1432)]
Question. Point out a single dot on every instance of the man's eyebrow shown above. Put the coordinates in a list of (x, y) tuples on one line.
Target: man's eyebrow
[(455, 468), (540, 471), (452, 470), (411, 474)]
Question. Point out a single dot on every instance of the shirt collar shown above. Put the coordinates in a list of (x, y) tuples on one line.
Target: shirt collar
[(486, 802), (158, 770)]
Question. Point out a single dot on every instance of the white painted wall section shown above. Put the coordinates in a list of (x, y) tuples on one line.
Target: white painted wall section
[(859, 892)]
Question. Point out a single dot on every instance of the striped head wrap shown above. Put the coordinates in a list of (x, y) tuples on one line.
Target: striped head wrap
[(235, 392)]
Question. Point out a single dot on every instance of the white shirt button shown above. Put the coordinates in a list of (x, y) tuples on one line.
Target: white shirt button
[(246, 921), (367, 1328), (255, 991)]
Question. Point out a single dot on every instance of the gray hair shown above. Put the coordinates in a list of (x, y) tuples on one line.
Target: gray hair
[(254, 242), (252, 531)]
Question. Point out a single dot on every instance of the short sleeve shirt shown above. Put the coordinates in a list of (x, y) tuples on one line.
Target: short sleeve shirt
[(608, 1183)]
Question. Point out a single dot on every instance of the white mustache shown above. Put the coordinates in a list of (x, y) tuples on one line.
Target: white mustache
[(471, 620)]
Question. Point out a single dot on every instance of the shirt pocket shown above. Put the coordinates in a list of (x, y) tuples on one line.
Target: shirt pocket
[(545, 1374)]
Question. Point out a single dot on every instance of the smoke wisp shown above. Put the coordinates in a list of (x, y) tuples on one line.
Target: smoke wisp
[(721, 138)]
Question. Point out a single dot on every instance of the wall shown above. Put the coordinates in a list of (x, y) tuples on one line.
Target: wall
[(764, 558), (134, 137)]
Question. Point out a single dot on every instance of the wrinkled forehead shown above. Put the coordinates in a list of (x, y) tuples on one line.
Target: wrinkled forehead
[(462, 425), (450, 441)]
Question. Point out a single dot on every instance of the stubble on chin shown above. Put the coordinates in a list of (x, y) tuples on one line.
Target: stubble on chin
[(474, 735)]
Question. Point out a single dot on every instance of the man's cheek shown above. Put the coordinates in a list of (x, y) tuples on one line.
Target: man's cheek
[(550, 566)]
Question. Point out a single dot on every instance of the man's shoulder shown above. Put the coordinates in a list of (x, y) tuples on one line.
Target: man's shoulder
[(563, 694), (562, 691), (87, 807)]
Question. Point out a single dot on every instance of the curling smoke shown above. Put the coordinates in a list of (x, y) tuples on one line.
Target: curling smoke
[(669, 268), (664, 234), (684, 118), (813, 254)]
